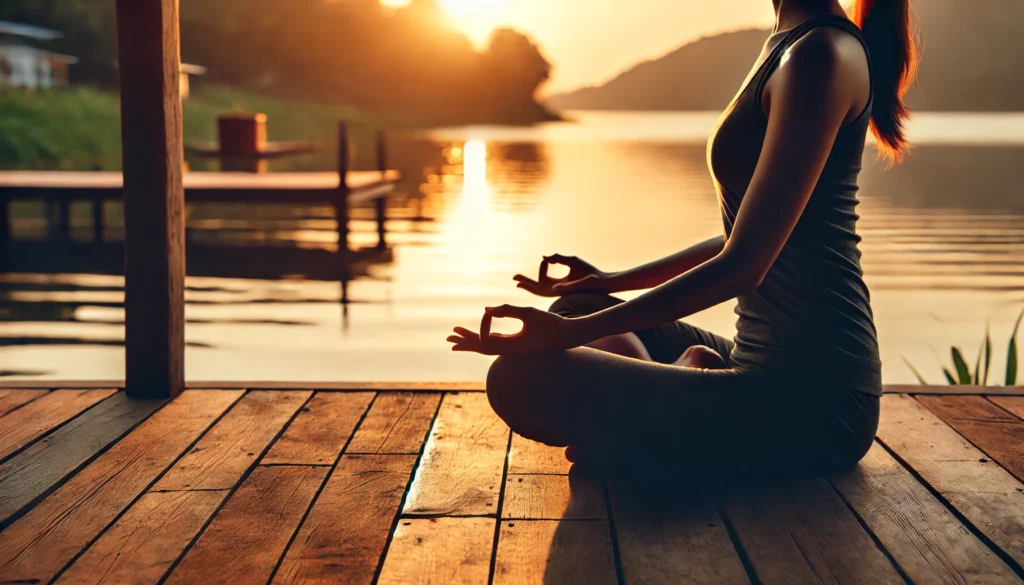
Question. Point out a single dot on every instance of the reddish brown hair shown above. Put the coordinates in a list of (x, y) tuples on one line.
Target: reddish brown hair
[(888, 27)]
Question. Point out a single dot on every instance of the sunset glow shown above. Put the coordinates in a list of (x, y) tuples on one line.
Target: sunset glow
[(476, 18)]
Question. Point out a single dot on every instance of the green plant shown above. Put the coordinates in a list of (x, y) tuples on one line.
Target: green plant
[(961, 373)]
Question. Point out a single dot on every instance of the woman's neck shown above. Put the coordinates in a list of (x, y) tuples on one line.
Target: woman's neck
[(790, 13)]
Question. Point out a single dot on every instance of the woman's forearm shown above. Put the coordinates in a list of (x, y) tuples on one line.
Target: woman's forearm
[(660, 271), (712, 282)]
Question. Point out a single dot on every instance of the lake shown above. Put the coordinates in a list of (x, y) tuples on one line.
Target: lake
[(943, 248)]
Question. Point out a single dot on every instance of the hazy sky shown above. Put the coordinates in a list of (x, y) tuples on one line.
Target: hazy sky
[(590, 41)]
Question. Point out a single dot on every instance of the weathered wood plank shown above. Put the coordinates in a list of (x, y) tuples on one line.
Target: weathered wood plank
[(319, 433), (36, 470), (141, 546), (921, 534), (439, 551), (554, 497), (342, 539), (397, 423), (1014, 404), (992, 429), (431, 387), (461, 470), (154, 204), (233, 445), (802, 532), (985, 494), (36, 418), (49, 535), (248, 536), (666, 538), (13, 398), (545, 552), (531, 457), (953, 390)]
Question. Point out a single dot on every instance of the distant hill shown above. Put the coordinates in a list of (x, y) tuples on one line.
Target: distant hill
[(973, 60)]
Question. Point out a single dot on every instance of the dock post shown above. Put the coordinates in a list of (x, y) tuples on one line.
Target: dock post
[(154, 203), (381, 203), (341, 208), (5, 231), (98, 221)]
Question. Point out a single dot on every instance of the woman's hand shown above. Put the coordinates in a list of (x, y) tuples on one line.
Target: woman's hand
[(541, 331), (582, 277)]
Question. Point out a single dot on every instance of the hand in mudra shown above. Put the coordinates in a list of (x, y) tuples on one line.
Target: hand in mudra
[(541, 331), (582, 277)]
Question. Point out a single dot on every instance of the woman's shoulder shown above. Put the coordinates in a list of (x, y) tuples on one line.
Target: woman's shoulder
[(826, 52)]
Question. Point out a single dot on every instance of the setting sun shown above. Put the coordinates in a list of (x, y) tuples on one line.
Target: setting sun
[(476, 18)]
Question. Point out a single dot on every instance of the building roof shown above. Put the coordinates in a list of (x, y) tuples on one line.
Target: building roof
[(28, 31)]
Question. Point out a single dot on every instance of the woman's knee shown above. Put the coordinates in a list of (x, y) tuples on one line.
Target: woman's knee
[(702, 357), (520, 394)]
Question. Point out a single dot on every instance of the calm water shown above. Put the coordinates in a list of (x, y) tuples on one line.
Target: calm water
[(943, 248)]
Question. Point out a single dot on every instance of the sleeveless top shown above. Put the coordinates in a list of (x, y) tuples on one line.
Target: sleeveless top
[(811, 314)]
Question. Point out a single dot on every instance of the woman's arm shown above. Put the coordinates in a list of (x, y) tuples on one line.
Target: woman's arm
[(660, 271)]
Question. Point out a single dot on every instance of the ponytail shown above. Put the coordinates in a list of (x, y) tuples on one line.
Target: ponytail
[(889, 32)]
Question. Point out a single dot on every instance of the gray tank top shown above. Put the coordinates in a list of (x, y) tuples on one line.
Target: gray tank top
[(811, 314)]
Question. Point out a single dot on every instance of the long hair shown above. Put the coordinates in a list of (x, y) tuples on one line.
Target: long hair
[(888, 28)]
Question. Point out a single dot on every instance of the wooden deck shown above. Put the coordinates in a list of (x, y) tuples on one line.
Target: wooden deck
[(396, 484)]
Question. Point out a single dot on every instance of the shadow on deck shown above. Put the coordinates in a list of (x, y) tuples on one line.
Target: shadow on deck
[(421, 483)]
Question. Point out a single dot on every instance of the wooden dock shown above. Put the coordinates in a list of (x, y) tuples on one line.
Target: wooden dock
[(422, 483)]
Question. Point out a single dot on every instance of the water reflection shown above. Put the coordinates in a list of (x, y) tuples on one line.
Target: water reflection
[(943, 238)]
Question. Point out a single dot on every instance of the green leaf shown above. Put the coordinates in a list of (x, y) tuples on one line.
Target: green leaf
[(962, 371), (917, 374), (949, 377), (1011, 355), (988, 354), (977, 366)]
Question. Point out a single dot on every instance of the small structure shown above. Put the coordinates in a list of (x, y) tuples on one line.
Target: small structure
[(243, 146), (24, 62), (188, 70)]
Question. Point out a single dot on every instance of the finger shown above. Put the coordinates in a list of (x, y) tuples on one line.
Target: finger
[(485, 326), (537, 289), (509, 311), (466, 333), (521, 278), (543, 276), (457, 339), (563, 260)]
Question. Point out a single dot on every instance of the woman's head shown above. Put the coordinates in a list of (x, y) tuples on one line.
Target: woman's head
[(888, 28)]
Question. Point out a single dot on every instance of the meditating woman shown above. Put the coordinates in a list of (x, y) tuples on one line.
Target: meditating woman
[(797, 390)]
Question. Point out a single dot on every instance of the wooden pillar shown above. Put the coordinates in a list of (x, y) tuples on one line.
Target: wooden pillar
[(151, 147), (381, 203), (341, 209), (6, 234), (98, 220)]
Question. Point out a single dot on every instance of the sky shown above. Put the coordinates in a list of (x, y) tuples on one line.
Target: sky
[(590, 41)]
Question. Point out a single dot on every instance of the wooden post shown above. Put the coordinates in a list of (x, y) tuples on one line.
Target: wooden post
[(5, 231), (154, 202), (341, 210), (381, 203), (98, 220)]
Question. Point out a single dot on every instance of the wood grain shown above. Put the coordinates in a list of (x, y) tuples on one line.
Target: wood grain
[(531, 457), (667, 538), (40, 467), (248, 536), (41, 542), (802, 532), (233, 445), (985, 494), (995, 431), (554, 497), (342, 539), (547, 552), (1014, 404), (318, 434), (36, 418), (397, 423), (922, 535), (149, 54), (439, 551), (141, 546), (13, 398), (463, 461)]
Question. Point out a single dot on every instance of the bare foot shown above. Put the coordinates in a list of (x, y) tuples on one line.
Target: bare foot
[(702, 357)]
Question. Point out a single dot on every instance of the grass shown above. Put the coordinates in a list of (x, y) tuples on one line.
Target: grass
[(961, 373), (78, 128)]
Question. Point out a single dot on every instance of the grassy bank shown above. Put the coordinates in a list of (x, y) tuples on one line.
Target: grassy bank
[(79, 128)]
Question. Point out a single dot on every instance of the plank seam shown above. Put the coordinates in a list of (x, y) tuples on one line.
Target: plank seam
[(405, 495), (21, 449), (492, 566), (41, 393), (88, 461), (988, 398), (323, 484), (143, 492), (737, 545), (996, 549), (874, 537), (233, 489), (613, 534)]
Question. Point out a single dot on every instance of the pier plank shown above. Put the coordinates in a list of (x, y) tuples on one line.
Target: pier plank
[(38, 417), (397, 423), (233, 445), (554, 497), (461, 470), (318, 434), (245, 540), (995, 431), (439, 551), (40, 543), (531, 457), (987, 495), (543, 551), (342, 539), (14, 398)]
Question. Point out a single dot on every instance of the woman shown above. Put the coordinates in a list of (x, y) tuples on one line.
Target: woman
[(623, 383)]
